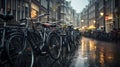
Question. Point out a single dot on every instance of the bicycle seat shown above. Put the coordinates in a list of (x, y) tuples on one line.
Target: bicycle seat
[(48, 25), (6, 17)]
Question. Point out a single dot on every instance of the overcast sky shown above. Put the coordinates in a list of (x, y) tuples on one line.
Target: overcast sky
[(78, 5)]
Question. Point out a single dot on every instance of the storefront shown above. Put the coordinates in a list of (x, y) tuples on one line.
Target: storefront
[(109, 23)]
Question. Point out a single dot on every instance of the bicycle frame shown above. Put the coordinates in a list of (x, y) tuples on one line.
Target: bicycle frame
[(3, 35), (44, 43)]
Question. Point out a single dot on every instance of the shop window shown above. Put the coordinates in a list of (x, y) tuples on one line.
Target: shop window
[(34, 10), (34, 13)]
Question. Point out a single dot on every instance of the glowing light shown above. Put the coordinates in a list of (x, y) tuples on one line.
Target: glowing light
[(82, 20), (91, 27), (102, 58), (101, 13), (94, 21), (33, 13)]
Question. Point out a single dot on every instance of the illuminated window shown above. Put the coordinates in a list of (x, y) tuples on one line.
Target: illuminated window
[(34, 13), (34, 10)]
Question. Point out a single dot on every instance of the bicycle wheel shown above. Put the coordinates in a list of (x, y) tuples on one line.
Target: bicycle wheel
[(36, 39), (54, 46), (19, 51)]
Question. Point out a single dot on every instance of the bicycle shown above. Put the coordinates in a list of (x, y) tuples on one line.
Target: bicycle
[(14, 44), (50, 41)]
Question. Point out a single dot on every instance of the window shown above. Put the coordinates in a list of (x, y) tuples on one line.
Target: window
[(44, 3), (34, 13)]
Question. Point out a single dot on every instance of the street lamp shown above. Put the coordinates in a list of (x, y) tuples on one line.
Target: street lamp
[(101, 14), (94, 21), (104, 9), (82, 20)]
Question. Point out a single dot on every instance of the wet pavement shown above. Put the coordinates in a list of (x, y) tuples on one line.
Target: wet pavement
[(93, 53), (90, 53)]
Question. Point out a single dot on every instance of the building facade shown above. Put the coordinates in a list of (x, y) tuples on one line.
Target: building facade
[(109, 15), (116, 16), (59, 10), (27, 8), (103, 14), (92, 13), (20, 8), (85, 17)]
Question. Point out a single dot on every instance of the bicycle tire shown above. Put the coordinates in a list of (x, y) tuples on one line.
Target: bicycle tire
[(36, 39), (21, 54), (54, 46)]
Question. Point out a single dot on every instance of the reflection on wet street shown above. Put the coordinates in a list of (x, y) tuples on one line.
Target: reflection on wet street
[(92, 53)]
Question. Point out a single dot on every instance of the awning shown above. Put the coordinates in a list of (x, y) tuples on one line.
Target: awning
[(91, 27)]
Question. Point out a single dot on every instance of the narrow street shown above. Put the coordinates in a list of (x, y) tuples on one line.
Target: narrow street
[(92, 53), (58, 33)]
